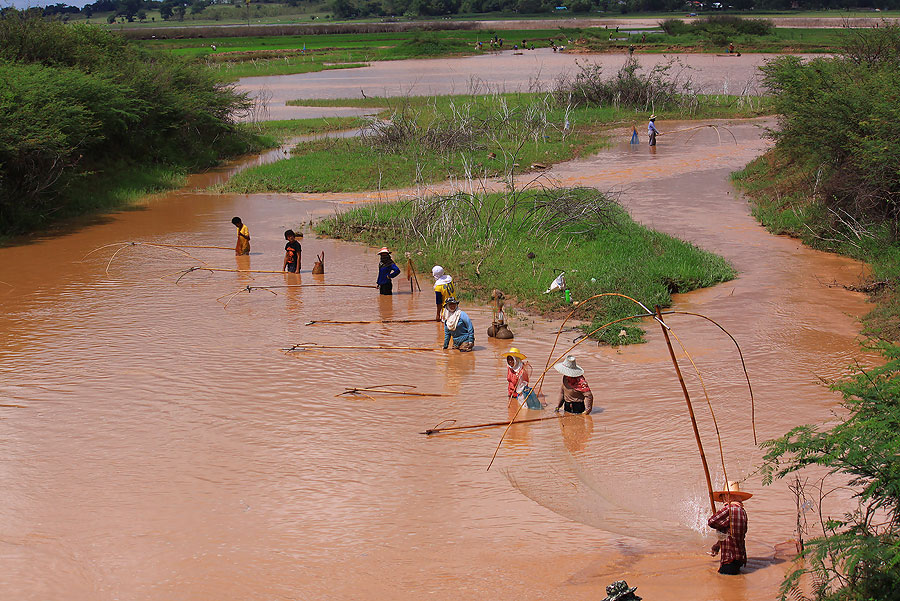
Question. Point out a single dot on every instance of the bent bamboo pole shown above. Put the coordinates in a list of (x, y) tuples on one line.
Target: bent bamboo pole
[(687, 399)]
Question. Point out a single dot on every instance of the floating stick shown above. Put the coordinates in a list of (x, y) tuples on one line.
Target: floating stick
[(332, 322), (312, 346), (16, 406), (248, 289), (437, 430), (380, 388)]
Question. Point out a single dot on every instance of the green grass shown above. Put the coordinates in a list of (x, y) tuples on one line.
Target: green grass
[(287, 128), (349, 165), (618, 256)]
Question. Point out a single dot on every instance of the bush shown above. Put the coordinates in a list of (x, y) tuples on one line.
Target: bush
[(841, 113), (76, 99)]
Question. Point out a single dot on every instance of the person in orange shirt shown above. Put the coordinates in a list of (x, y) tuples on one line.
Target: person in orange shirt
[(242, 247)]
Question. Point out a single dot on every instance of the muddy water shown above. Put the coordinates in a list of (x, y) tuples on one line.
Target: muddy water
[(490, 72), (170, 450)]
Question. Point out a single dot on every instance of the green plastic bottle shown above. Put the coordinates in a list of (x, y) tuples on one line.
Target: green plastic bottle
[(568, 297)]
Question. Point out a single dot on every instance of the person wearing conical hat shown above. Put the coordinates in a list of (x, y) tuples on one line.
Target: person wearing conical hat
[(574, 395), (652, 131), (518, 373), (387, 271), (731, 521)]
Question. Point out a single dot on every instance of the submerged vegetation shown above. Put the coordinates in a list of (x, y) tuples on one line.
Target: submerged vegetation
[(832, 180), (81, 105), (519, 241)]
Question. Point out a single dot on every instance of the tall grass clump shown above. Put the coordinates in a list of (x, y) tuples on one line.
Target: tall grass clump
[(519, 241), (662, 87), (79, 102)]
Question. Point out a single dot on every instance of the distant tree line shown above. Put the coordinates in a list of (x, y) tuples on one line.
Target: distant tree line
[(348, 9)]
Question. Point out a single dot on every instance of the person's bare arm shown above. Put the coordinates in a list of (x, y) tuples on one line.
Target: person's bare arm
[(588, 402), (562, 398)]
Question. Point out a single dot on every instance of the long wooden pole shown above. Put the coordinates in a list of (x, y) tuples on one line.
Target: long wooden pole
[(687, 399), (493, 424), (331, 322), (386, 391), (314, 347)]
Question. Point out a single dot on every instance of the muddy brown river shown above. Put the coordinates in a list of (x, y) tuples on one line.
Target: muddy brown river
[(168, 449)]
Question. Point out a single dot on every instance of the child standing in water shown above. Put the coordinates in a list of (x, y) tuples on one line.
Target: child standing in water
[(387, 271), (292, 253), (242, 247)]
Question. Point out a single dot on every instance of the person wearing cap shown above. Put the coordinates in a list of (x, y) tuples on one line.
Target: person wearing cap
[(574, 395), (731, 521), (652, 131), (518, 372), (457, 326), (387, 270), (443, 289)]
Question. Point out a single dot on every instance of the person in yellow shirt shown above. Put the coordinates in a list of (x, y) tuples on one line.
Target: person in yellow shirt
[(243, 237), (443, 289)]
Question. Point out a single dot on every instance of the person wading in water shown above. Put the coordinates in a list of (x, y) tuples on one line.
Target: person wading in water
[(731, 521), (574, 395), (443, 289), (387, 271), (242, 247), (458, 326)]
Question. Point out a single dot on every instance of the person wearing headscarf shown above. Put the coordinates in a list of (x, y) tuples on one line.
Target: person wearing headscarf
[(443, 289), (731, 521), (387, 270), (652, 131), (458, 327), (575, 395), (518, 373)]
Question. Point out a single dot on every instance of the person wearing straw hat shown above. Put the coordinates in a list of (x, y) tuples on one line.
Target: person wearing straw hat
[(518, 372), (457, 326), (387, 270), (731, 521), (443, 289), (652, 131), (574, 395)]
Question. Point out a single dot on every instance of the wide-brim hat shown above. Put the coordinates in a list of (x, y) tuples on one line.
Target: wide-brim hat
[(653, 117), (384, 249), (620, 590), (569, 368), (514, 352), (732, 492)]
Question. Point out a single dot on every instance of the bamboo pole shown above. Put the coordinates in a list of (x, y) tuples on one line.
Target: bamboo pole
[(312, 346), (687, 399), (15, 406), (331, 322), (386, 391), (493, 424)]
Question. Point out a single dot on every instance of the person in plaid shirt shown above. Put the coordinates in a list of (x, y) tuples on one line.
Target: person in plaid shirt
[(731, 521)]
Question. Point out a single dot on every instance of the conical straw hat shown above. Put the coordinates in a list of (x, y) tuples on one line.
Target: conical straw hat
[(569, 368), (732, 492)]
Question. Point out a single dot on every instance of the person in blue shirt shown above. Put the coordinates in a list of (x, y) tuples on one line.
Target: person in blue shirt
[(387, 270), (652, 131), (458, 326)]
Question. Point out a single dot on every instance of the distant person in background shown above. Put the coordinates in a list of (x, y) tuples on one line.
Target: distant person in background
[(731, 521), (243, 237), (387, 271), (458, 327), (443, 289), (652, 131), (731, 48), (575, 395), (292, 253)]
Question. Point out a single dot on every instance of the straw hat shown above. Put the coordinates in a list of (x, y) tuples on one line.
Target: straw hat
[(653, 117), (569, 368), (384, 249), (514, 352), (733, 491)]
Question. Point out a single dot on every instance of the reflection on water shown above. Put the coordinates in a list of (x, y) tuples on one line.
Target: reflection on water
[(170, 450)]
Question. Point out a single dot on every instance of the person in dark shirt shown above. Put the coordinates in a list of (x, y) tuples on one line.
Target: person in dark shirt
[(292, 252), (387, 270)]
